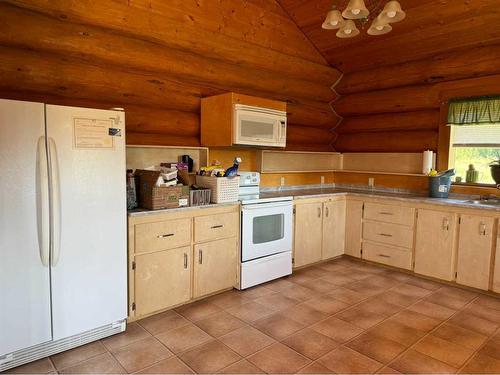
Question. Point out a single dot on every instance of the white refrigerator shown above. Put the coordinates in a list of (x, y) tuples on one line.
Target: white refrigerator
[(63, 263)]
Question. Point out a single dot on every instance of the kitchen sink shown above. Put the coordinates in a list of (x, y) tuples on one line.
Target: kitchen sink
[(486, 201)]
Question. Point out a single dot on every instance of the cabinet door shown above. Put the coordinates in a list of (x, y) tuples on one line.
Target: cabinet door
[(215, 266), (434, 253), (162, 279), (353, 225), (308, 233), (474, 251), (333, 229), (496, 272)]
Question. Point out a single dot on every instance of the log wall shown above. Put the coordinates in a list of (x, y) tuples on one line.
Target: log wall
[(157, 59), (397, 108)]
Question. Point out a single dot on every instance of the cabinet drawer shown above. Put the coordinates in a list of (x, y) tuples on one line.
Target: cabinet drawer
[(213, 227), (389, 213), (390, 234), (162, 235), (387, 255)]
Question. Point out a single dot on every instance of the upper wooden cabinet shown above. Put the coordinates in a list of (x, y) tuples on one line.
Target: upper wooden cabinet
[(354, 218), (217, 116), (474, 251), (434, 247)]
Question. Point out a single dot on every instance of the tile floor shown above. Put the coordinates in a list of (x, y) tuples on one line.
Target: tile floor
[(343, 316)]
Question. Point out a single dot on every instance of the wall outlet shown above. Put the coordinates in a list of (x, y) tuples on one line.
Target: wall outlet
[(282, 181), (371, 182), (322, 180)]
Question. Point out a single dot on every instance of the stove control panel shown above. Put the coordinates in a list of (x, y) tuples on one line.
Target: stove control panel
[(249, 178)]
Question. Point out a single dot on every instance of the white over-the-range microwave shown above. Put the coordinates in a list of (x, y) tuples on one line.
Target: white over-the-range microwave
[(255, 126)]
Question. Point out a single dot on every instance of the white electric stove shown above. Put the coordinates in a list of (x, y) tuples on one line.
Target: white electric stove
[(266, 233)]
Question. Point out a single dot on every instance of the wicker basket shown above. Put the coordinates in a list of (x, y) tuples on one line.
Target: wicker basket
[(224, 189)]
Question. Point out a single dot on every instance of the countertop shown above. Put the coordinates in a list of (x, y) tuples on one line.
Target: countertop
[(405, 197), (144, 212), (321, 192)]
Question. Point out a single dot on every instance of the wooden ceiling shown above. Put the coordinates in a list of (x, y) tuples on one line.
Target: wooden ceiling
[(431, 27)]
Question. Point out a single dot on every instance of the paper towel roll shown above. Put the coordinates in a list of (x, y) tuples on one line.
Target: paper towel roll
[(427, 162)]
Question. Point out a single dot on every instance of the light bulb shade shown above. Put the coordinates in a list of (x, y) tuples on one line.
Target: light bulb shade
[(379, 27), (356, 9), (333, 20), (392, 12), (348, 30)]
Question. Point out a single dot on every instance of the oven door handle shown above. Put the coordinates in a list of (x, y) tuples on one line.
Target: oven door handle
[(267, 205)]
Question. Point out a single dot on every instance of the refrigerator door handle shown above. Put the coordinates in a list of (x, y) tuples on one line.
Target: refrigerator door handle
[(43, 209), (56, 204)]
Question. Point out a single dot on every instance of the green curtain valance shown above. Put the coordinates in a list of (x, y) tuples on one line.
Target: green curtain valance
[(474, 111)]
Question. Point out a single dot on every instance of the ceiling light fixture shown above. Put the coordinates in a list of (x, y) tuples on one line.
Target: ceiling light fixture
[(359, 13)]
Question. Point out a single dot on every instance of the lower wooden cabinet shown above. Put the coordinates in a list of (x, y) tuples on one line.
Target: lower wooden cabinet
[(175, 257), (353, 227), (308, 233), (333, 236), (496, 268), (434, 246), (319, 230), (215, 266), (162, 279), (474, 251)]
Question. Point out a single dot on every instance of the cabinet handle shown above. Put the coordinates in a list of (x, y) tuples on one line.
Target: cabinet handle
[(165, 235), (384, 256), (319, 211), (446, 224), (200, 256), (185, 261), (385, 234), (326, 211), (482, 229), (217, 226), (385, 213)]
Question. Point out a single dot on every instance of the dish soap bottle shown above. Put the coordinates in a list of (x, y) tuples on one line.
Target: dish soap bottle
[(471, 175), (233, 171)]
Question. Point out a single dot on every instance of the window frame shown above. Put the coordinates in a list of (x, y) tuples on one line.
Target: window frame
[(443, 157)]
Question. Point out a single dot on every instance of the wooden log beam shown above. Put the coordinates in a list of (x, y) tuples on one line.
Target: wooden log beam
[(156, 139), (404, 99), (414, 98), (390, 141), (458, 34), (312, 113), (167, 122), (297, 134), (463, 64), (179, 35), (261, 22), (35, 72), (309, 147), (26, 29), (417, 120)]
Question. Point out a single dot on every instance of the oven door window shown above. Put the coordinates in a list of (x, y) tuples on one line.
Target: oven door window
[(268, 228)]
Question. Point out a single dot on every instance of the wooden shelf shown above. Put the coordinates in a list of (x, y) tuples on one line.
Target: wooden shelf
[(273, 161), (375, 172), (140, 157)]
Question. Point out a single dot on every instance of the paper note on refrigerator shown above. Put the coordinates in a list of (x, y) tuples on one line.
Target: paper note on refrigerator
[(92, 133)]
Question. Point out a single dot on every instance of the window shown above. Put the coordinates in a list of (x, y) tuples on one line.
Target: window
[(475, 144), (474, 136)]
